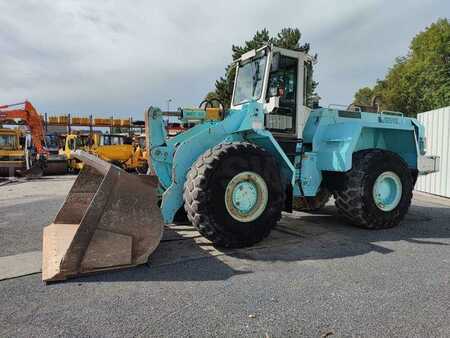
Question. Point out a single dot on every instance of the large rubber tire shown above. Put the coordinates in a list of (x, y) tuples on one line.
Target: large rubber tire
[(206, 184), (309, 204), (356, 201)]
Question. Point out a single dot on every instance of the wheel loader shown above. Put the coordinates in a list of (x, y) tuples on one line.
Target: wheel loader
[(114, 148), (233, 175), (119, 150)]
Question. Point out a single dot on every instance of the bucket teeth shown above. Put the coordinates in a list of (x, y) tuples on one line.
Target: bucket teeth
[(109, 220)]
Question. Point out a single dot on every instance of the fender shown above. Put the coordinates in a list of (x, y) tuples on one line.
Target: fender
[(173, 158), (336, 135)]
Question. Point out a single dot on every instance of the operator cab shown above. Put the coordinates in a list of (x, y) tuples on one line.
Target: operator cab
[(9, 139), (280, 79)]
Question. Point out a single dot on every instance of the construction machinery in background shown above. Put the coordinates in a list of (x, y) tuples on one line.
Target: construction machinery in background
[(36, 154), (51, 153), (73, 142), (234, 175), (14, 152), (120, 150), (140, 143), (56, 163)]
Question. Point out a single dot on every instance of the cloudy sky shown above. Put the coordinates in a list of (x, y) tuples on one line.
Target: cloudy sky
[(121, 56)]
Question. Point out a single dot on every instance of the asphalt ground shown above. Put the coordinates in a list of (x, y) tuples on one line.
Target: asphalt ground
[(315, 276)]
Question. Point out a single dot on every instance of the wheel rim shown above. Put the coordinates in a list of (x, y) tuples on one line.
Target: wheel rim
[(246, 196), (387, 191)]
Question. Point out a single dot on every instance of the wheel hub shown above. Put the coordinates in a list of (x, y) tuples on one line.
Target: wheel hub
[(387, 191), (246, 196)]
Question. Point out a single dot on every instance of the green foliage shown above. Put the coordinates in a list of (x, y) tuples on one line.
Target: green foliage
[(212, 96), (286, 38), (363, 96), (419, 81)]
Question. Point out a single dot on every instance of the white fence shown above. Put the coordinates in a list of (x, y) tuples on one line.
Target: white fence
[(437, 131)]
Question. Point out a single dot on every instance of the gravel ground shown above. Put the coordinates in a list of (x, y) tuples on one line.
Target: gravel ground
[(328, 279)]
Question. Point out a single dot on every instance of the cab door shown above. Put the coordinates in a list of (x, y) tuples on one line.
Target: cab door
[(283, 82)]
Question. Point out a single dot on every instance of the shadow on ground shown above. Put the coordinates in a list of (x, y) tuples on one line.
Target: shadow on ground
[(297, 237)]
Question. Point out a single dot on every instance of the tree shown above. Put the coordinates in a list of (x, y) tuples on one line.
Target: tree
[(213, 97), (363, 96), (286, 38), (419, 81)]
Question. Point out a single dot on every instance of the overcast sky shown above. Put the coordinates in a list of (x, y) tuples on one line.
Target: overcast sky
[(122, 56)]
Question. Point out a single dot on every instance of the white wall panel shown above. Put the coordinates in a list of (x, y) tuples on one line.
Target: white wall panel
[(437, 131)]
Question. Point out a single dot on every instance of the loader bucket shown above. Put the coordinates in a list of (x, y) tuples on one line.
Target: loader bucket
[(110, 220)]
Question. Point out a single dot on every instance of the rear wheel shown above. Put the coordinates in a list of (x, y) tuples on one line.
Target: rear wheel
[(378, 190), (233, 194)]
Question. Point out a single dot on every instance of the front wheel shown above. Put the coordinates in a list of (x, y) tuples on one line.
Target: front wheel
[(233, 194), (378, 190)]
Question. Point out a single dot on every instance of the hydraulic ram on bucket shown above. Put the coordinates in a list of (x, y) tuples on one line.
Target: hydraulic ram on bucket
[(109, 220)]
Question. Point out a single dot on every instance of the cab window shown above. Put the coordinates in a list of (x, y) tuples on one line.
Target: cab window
[(72, 144), (283, 83), (8, 142), (109, 140)]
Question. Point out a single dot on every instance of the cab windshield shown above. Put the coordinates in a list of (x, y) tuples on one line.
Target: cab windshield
[(141, 141), (109, 140), (249, 81), (8, 142), (52, 141)]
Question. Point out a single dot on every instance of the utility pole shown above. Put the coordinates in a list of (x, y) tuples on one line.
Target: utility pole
[(168, 104)]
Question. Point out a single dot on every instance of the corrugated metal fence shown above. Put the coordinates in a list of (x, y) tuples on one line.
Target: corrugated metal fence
[(437, 131)]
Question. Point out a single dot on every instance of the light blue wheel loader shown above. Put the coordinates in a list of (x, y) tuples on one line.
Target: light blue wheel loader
[(271, 153), (236, 170)]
